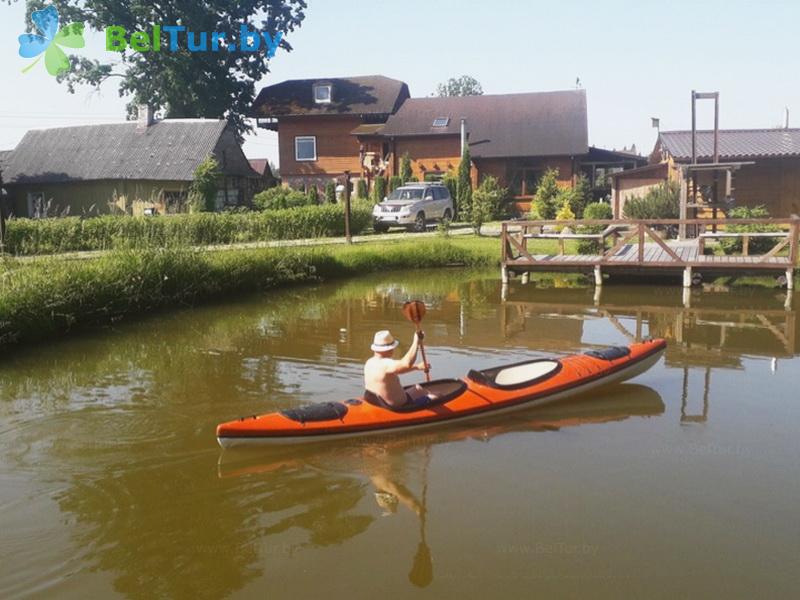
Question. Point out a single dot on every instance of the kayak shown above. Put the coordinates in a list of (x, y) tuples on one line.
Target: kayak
[(489, 391)]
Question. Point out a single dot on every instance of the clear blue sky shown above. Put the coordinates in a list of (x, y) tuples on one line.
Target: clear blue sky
[(635, 59)]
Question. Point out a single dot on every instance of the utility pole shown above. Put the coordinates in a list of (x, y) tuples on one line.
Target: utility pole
[(2, 216), (347, 236)]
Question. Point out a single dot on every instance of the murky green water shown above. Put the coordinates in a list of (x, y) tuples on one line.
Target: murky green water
[(684, 483)]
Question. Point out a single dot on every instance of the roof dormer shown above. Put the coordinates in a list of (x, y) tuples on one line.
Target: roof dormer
[(323, 92)]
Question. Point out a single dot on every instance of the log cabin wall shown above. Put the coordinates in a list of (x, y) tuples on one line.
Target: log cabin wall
[(337, 148)]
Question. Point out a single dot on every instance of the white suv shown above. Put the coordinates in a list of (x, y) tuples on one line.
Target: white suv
[(412, 206)]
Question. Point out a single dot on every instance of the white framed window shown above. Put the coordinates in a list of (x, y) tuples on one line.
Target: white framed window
[(322, 93), (305, 148)]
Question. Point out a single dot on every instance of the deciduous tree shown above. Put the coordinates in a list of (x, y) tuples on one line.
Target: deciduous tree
[(213, 84), (460, 86)]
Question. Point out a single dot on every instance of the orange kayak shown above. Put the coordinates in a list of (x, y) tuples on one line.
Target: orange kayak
[(490, 391)]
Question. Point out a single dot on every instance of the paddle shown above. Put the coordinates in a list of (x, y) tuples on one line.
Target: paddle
[(414, 311), (421, 573)]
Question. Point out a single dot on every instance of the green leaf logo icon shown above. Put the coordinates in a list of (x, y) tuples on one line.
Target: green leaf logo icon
[(49, 41)]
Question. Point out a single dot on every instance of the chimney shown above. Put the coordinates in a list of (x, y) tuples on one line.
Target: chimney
[(463, 134), (787, 117), (146, 116)]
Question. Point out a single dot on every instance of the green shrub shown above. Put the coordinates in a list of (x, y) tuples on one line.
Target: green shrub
[(378, 189), (580, 195), (564, 214), (395, 182), (413, 179), (312, 196), (279, 197), (451, 183), (330, 192), (756, 245), (661, 202), (204, 186), (464, 187), (361, 190), (545, 202), (405, 168), (432, 177), (488, 202), (70, 234), (595, 211)]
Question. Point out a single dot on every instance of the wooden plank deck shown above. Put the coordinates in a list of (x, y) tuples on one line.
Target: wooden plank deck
[(637, 247)]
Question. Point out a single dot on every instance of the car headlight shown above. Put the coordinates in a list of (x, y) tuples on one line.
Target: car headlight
[(376, 209), (405, 210)]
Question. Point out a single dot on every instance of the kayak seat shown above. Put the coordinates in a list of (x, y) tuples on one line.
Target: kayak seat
[(444, 390), (610, 353), (309, 413), (518, 375)]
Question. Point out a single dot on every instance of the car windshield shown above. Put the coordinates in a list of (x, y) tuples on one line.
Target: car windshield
[(406, 194)]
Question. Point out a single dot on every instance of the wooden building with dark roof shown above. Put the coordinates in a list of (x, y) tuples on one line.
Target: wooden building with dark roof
[(365, 125), (130, 167)]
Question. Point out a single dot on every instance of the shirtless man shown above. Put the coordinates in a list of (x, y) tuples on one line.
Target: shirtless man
[(381, 372)]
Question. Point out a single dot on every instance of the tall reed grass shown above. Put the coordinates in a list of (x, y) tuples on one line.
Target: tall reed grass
[(71, 234), (47, 297)]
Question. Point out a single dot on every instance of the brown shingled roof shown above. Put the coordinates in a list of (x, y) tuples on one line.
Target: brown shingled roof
[(503, 125), (372, 94), (734, 144)]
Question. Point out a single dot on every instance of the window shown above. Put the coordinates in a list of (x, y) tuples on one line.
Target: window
[(305, 148), (36, 206), (524, 181), (441, 121), (406, 194), (322, 93)]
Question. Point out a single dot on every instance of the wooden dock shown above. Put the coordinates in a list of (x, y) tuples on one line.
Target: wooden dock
[(643, 247)]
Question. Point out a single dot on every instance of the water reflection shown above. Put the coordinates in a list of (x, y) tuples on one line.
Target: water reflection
[(112, 431), (396, 464)]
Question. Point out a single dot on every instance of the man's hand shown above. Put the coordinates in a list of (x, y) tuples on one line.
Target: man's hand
[(420, 335), (422, 366)]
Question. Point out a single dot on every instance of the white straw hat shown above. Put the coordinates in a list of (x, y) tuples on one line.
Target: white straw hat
[(383, 342)]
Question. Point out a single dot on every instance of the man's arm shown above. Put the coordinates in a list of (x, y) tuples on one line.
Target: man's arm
[(406, 364)]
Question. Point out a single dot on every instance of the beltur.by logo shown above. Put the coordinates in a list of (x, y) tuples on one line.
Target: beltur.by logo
[(49, 41), (179, 37)]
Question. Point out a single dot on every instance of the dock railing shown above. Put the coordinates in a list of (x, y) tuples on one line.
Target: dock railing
[(643, 244)]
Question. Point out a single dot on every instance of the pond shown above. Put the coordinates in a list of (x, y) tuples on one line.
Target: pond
[(683, 482)]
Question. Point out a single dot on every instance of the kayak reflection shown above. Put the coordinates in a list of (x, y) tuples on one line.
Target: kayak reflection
[(396, 466)]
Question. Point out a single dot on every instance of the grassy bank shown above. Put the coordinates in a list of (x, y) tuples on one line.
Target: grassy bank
[(51, 297), (73, 234)]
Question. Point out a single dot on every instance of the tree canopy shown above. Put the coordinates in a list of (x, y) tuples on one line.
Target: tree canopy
[(212, 84), (460, 86)]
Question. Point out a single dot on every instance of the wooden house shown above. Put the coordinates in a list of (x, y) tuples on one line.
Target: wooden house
[(127, 168), (767, 173), (317, 121), (364, 125)]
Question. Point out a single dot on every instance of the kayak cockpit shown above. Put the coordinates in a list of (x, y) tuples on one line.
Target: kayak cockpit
[(518, 375), (444, 390)]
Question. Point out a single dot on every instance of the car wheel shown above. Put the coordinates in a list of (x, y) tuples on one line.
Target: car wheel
[(380, 228), (419, 222), (448, 215)]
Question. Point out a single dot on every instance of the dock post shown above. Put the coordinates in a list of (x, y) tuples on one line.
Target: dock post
[(687, 277), (504, 274), (598, 275), (790, 278), (526, 277)]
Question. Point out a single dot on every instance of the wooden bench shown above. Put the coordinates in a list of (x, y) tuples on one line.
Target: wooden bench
[(744, 235)]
